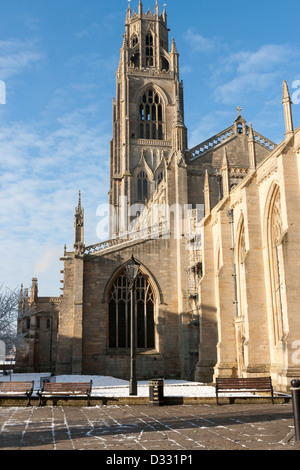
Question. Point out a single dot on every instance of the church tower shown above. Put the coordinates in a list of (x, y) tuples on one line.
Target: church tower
[(149, 99)]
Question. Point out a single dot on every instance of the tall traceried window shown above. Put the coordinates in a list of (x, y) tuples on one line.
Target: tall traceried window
[(119, 313), (241, 275), (275, 232), (151, 116), (241, 297)]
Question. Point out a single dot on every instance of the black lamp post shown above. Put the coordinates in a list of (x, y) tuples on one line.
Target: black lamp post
[(295, 389), (132, 270)]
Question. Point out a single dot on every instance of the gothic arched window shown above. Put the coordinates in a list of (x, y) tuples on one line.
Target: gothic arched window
[(142, 186), (151, 116), (135, 40), (241, 297), (275, 231), (149, 50), (119, 302), (241, 274)]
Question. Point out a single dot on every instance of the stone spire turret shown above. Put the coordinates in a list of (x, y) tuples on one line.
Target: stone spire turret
[(128, 16), (34, 290), (287, 107), (251, 148), (140, 8), (79, 227), (225, 175), (173, 47)]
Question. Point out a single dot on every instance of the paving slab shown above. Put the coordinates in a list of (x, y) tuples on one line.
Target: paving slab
[(178, 429)]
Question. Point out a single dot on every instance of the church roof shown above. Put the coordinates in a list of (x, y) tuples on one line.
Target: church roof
[(225, 136)]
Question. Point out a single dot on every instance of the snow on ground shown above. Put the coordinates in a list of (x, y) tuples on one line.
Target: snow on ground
[(113, 387)]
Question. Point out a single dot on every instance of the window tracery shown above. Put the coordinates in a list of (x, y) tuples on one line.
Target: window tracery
[(119, 303), (151, 116), (275, 231)]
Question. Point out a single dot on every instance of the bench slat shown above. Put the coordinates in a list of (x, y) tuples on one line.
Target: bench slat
[(17, 389), (16, 386), (60, 389), (238, 384), (69, 387)]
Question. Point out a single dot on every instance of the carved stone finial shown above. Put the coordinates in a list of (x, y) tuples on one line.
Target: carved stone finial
[(173, 47), (287, 107), (286, 93)]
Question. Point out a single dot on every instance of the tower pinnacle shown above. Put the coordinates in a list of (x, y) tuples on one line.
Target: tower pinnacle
[(251, 147), (140, 7), (287, 107), (225, 174), (173, 47), (79, 227)]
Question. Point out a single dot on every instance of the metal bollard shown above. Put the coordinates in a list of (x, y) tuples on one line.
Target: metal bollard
[(295, 389), (156, 392)]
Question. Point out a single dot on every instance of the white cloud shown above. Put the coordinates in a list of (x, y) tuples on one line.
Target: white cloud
[(198, 42), (16, 55), (242, 85), (264, 60), (42, 167), (244, 73)]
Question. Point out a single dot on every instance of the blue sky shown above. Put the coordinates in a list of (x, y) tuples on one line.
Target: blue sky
[(58, 61)]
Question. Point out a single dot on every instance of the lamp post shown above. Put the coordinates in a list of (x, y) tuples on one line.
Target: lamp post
[(132, 270)]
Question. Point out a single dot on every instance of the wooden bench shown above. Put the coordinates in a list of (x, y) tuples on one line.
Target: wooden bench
[(17, 389), (65, 389), (249, 384)]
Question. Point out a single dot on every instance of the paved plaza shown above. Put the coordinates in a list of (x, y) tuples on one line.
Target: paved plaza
[(176, 428)]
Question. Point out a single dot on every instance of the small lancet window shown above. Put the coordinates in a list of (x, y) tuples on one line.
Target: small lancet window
[(149, 40), (149, 50), (135, 40), (142, 186)]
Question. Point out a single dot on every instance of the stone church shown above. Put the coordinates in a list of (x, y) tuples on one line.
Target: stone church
[(214, 228)]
